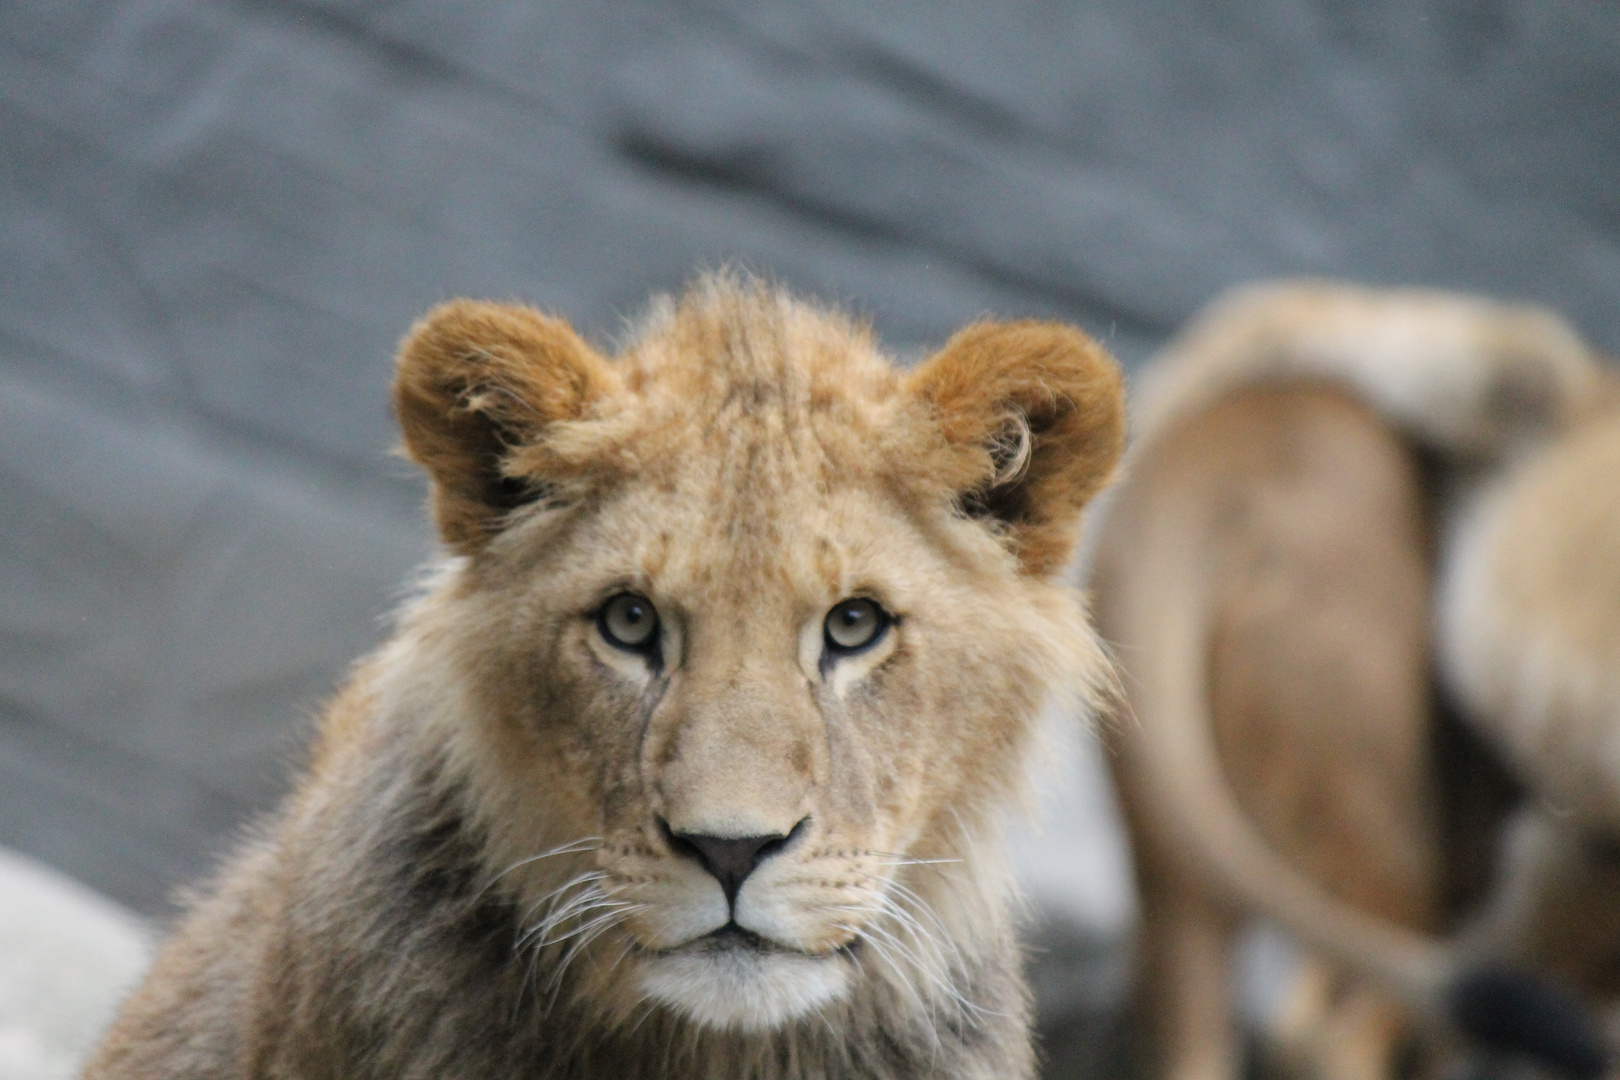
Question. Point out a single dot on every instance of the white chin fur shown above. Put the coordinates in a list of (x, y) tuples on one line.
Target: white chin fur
[(744, 990)]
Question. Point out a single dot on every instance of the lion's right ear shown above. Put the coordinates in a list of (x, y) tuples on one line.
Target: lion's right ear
[(474, 383), (1033, 416)]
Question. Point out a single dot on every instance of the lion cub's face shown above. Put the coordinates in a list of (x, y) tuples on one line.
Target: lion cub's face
[(732, 642)]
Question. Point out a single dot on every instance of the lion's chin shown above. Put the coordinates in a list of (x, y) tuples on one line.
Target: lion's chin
[(733, 985)]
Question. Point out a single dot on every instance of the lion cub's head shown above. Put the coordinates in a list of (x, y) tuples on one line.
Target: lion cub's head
[(747, 634)]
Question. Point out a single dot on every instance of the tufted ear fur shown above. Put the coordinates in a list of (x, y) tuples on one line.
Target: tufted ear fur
[(1033, 416), (475, 383)]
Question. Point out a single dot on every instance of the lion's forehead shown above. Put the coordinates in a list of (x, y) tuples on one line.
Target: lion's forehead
[(762, 416), (813, 542), (772, 453), (774, 456)]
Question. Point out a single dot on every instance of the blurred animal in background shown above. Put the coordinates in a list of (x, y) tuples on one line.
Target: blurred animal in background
[(1529, 640), (1318, 468), (691, 757), (1283, 526)]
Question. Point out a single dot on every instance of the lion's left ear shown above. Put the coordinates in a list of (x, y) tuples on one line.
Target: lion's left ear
[(477, 386), (1033, 418)]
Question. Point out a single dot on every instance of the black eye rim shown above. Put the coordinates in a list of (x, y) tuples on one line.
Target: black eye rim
[(885, 619), (645, 647)]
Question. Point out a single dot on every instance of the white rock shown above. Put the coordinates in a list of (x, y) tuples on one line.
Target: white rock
[(67, 958)]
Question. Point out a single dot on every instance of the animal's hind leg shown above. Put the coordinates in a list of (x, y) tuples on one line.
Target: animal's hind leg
[(1331, 1026), (1364, 1036), (1183, 1000), (1292, 1028)]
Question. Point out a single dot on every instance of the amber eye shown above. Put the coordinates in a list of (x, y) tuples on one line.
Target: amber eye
[(629, 621), (854, 624)]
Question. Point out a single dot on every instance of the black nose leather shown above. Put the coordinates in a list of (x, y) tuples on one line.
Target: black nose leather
[(729, 859)]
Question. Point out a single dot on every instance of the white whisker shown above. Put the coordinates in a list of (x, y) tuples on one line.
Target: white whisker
[(573, 847), (876, 940), (895, 858), (592, 930), (931, 953)]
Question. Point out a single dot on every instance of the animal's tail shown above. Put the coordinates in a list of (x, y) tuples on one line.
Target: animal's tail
[(1465, 375), (1184, 789)]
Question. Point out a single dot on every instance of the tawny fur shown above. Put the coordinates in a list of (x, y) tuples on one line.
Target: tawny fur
[(1529, 616), (474, 878), (1301, 514)]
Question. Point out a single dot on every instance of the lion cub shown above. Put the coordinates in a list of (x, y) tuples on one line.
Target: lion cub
[(689, 758)]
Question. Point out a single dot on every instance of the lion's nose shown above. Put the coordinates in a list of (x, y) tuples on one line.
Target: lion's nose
[(729, 859)]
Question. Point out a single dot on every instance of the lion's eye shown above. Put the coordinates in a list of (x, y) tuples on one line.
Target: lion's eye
[(854, 624), (629, 621)]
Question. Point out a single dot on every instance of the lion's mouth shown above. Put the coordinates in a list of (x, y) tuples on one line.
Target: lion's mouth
[(732, 939)]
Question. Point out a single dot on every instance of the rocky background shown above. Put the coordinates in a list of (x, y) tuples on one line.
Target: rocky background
[(218, 216)]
